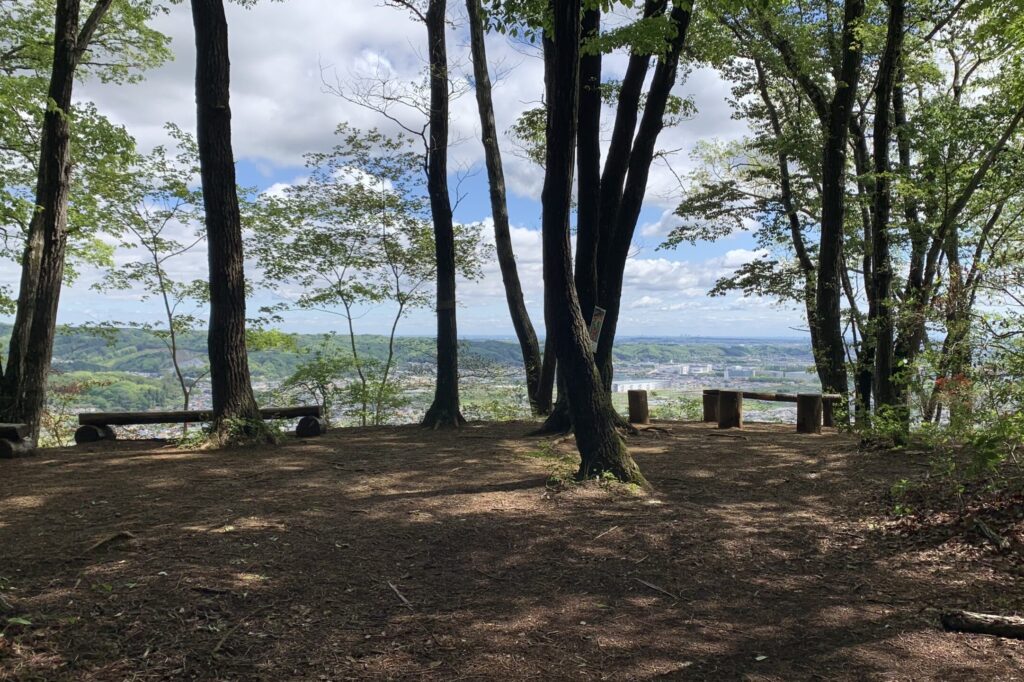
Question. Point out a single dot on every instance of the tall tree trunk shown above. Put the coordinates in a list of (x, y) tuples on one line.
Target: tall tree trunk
[(884, 328), (600, 446), (528, 343), (23, 385), (444, 412), (807, 267), (627, 212), (233, 398), (833, 201), (588, 162), (864, 370)]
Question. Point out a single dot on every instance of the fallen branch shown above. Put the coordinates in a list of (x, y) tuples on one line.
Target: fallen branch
[(984, 623), (1001, 543), (728, 435)]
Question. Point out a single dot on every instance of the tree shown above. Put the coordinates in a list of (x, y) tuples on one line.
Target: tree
[(76, 43), (233, 398), (600, 445), (928, 185), (444, 411), (355, 236), (157, 199), (611, 197), (538, 391)]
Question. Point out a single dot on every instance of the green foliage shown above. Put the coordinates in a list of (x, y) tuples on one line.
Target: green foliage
[(681, 408), (123, 48), (64, 398), (500, 403)]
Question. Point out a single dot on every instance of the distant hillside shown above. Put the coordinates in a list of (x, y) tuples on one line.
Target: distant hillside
[(139, 351)]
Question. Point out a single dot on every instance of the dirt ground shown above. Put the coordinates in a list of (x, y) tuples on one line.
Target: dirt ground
[(399, 553)]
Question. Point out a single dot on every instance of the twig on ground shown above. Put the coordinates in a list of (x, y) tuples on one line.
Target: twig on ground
[(237, 625), (102, 542), (601, 535), (655, 587), (400, 595)]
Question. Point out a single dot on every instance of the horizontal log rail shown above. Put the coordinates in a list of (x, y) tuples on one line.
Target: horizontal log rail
[(14, 431), (725, 407), (96, 426), (186, 416), (786, 397)]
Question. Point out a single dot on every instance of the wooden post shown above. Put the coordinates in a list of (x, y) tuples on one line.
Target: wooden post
[(711, 404), (808, 413), (730, 409), (828, 416), (638, 412), (90, 433), (310, 427)]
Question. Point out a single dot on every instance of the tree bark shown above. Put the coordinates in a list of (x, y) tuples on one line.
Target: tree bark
[(588, 163), (444, 411), (528, 343), (882, 274), (233, 398), (601, 448), (834, 115), (23, 386), (833, 202)]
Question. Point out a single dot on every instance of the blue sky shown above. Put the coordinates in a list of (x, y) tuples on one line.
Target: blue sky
[(284, 53)]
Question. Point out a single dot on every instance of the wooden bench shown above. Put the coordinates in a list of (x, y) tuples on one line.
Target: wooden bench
[(812, 409), (13, 441), (97, 426)]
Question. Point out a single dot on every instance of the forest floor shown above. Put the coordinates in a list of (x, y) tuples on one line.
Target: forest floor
[(403, 553)]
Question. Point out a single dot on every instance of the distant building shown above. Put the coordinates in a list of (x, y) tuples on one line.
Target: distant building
[(740, 373), (638, 385)]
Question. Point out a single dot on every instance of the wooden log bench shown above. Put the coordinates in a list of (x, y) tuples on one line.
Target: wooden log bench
[(14, 441), (97, 426), (725, 407)]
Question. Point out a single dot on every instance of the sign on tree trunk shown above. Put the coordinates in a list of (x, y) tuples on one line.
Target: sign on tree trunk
[(596, 322)]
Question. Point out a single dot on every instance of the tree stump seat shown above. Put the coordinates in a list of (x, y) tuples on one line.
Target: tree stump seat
[(97, 426), (812, 409)]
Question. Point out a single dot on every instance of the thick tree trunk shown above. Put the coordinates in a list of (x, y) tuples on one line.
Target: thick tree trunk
[(23, 389), (233, 398), (886, 393), (601, 448), (444, 411), (528, 343)]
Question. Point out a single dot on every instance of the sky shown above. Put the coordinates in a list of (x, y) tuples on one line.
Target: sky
[(284, 54)]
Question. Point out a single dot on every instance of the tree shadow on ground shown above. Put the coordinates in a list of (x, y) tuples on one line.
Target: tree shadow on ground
[(404, 553)]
